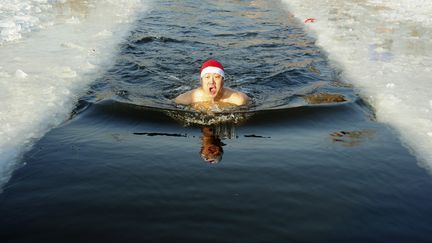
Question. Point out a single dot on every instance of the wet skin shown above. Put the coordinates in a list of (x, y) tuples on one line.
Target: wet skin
[(212, 90)]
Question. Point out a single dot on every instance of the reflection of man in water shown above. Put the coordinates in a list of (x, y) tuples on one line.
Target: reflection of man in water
[(211, 150), (212, 81)]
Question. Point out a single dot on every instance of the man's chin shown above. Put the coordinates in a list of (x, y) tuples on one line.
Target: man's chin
[(212, 96), (216, 94)]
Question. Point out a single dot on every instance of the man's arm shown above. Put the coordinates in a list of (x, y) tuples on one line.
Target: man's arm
[(185, 98), (238, 98)]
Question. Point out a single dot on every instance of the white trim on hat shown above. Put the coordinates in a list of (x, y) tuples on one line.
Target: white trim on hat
[(212, 70)]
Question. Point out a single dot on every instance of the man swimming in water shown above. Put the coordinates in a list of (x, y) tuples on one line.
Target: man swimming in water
[(212, 78)]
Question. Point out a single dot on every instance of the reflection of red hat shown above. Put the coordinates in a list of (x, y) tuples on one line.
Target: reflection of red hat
[(212, 66)]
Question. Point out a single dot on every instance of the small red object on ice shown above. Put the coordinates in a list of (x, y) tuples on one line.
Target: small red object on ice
[(310, 20)]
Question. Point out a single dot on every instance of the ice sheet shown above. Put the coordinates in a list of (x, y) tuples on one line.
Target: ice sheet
[(383, 48), (50, 51)]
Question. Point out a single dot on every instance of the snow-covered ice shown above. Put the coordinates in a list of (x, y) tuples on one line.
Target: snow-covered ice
[(50, 51), (383, 48)]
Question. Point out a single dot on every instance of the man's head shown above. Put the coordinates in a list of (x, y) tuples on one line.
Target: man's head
[(212, 77)]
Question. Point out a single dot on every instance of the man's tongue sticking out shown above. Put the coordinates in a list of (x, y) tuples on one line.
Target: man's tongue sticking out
[(212, 89)]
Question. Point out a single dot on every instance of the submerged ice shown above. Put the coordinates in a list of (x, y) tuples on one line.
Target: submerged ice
[(50, 51), (383, 48)]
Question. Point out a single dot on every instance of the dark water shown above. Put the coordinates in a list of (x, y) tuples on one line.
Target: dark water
[(292, 167)]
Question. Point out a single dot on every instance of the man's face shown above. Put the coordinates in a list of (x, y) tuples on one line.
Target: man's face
[(212, 84)]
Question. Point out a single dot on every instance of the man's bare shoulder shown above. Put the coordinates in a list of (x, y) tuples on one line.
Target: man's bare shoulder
[(185, 98), (189, 97), (235, 97)]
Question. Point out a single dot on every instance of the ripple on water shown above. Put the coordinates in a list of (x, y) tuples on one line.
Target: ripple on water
[(275, 62)]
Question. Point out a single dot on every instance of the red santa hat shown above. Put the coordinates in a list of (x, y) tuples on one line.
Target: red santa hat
[(212, 66)]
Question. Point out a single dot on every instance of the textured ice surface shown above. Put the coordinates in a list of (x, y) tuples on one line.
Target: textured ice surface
[(18, 17), (50, 51), (383, 47)]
